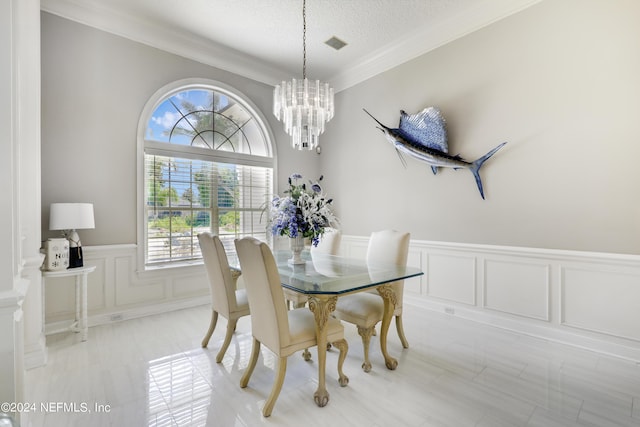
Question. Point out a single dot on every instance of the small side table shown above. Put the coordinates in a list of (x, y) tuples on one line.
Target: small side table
[(80, 323)]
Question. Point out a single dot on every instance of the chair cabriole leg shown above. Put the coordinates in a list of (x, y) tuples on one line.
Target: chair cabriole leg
[(212, 327), (400, 330), (255, 352), (231, 327), (277, 386)]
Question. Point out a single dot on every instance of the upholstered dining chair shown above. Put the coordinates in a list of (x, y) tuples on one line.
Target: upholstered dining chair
[(365, 309), (282, 331), (226, 300), (329, 242)]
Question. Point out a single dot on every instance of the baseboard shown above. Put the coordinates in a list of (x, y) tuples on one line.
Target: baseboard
[(36, 355), (147, 310)]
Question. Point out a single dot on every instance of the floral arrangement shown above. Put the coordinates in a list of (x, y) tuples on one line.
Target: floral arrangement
[(304, 211)]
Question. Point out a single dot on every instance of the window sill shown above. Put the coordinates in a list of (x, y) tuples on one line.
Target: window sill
[(177, 267)]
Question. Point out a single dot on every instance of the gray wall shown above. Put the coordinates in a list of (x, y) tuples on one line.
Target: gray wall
[(558, 81), (94, 87)]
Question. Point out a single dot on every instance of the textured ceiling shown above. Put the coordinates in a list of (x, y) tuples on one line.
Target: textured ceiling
[(262, 39)]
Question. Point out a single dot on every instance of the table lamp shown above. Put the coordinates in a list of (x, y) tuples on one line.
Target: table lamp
[(70, 217)]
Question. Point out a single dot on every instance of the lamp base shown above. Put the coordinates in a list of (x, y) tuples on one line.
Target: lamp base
[(75, 257)]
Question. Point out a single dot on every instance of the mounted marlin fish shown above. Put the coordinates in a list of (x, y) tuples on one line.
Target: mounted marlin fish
[(423, 136)]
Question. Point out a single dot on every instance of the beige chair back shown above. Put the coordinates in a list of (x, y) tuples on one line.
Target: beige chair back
[(390, 247), (223, 292), (329, 242), (269, 320)]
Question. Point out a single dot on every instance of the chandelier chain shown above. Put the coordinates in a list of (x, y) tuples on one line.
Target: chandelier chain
[(304, 39)]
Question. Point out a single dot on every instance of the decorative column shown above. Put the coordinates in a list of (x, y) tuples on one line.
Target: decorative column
[(26, 30), (20, 174)]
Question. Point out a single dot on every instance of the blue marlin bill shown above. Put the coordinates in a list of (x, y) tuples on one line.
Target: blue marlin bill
[(423, 136)]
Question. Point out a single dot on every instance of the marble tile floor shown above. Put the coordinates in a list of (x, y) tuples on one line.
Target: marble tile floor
[(152, 372)]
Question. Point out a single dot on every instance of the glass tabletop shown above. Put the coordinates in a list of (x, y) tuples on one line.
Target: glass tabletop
[(335, 275)]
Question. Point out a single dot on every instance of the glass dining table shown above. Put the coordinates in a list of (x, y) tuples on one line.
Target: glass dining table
[(323, 278)]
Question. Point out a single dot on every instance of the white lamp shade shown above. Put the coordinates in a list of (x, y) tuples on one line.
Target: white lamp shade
[(71, 216)]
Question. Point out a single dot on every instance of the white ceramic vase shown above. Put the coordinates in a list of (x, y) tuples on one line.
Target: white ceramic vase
[(297, 245)]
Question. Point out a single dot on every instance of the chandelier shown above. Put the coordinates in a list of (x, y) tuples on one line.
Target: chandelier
[(303, 106)]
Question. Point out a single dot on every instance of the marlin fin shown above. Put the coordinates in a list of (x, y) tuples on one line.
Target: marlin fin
[(475, 167), (404, 162)]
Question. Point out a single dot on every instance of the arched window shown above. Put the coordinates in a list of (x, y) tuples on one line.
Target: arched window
[(208, 165)]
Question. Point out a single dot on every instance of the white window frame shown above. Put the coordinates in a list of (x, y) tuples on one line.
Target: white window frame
[(184, 151)]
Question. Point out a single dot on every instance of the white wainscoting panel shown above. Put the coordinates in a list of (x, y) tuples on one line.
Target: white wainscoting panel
[(452, 277), (519, 288), (415, 285), (602, 300), (590, 300), (193, 285), (60, 294), (97, 293), (132, 291), (117, 290), (356, 247), (586, 299)]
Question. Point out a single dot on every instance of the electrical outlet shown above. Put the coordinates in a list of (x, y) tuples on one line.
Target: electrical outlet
[(449, 310), (115, 317)]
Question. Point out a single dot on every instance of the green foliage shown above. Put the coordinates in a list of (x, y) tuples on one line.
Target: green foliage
[(176, 224), (158, 194), (230, 221), (202, 179), (164, 195), (155, 180)]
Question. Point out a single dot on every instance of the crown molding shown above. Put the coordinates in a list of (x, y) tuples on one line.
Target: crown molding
[(484, 13), (94, 14), (169, 40)]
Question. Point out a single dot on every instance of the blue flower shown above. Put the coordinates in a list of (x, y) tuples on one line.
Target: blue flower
[(302, 212)]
